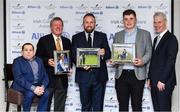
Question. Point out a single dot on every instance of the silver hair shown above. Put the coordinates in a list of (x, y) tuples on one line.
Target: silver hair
[(161, 14)]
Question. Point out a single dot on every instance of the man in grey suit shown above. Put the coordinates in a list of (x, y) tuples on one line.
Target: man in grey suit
[(130, 77)]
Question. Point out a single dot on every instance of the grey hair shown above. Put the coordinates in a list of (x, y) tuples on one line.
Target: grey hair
[(161, 14)]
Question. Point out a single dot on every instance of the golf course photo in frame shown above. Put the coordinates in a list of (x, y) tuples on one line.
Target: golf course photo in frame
[(88, 57), (123, 53)]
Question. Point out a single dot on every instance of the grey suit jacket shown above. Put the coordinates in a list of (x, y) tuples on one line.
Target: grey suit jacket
[(143, 49)]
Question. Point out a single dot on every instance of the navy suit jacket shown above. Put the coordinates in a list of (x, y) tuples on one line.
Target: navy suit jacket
[(23, 74), (45, 49), (162, 66), (99, 41)]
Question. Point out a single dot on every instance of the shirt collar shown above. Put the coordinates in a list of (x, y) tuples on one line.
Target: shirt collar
[(132, 32), (29, 59), (162, 33), (55, 37), (92, 34)]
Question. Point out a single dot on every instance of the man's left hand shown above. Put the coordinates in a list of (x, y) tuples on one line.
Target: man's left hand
[(102, 52), (160, 86), (138, 62)]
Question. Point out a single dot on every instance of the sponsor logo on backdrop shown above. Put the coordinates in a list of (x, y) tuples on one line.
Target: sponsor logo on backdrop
[(66, 7), (110, 99), (50, 6), (111, 106), (141, 22), (34, 7), (17, 18), (96, 7), (109, 85), (18, 32), (18, 26), (162, 6), (18, 12), (37, 36), (97, 12), (116, 21), (111, 37), (44, 23), (70, 84), (69, 104), (98, 27), (16, 51), (18, 6), (17, 37), (144, 6), (128, 6), (66, 34), (17, 46), (120, 26), (51, 15), (112, 7), (82, 7), (81, 12)]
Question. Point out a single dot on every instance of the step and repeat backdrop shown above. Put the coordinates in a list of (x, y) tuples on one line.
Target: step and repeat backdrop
[(28, 20)]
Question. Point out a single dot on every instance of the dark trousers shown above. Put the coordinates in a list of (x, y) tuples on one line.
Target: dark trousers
[(60, 94), (129, 86), (162, 100), (43, 101), (92, 94)]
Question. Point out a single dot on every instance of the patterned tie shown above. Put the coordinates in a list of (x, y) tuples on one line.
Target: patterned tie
[(89, 40), (58, 45)]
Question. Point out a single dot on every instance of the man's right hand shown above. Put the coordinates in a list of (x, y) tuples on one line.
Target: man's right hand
[(39, 90), (51, 62)]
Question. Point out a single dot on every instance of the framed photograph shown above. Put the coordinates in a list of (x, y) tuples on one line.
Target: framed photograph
[(123, 53), (62, 62), (88, 57)]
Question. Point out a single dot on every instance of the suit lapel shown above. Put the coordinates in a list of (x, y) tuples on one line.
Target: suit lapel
[(123, 37), (95, 39), (51, 39), (163, 39), (154, 43)]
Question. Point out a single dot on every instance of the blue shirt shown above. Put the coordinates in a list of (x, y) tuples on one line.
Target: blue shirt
[(130, 38)]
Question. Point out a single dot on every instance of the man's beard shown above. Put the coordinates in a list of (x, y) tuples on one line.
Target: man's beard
[(89, 30)]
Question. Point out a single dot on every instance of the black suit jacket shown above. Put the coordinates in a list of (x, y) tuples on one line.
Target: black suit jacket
[(45, 48), (162, 66), (99, 41)]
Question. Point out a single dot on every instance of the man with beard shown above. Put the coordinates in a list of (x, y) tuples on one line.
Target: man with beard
[(92, 81)]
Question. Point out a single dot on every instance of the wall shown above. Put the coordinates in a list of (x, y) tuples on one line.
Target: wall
[(176, 98)]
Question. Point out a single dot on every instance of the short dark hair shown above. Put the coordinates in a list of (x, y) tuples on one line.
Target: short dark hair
[(128, 12), (56, 19), (89, 14), (27, 44)]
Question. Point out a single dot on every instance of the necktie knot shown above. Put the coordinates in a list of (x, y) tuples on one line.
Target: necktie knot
[(58, 39), (89, 40)]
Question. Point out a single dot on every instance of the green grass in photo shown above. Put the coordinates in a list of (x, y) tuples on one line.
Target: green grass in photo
[(117, 58), (91, 60)]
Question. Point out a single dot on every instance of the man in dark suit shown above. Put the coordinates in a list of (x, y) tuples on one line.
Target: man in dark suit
[(57, 84), (162, 75), (30, 78), (92, 81)]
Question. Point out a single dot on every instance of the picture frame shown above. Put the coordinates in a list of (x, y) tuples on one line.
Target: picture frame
[(88, 57), (123, 53), (62, 62)]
